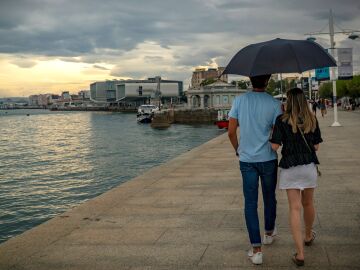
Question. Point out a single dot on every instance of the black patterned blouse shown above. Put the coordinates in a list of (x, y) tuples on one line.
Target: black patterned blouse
[(294, 151)]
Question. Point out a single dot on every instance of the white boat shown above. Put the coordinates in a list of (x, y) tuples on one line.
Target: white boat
[(145, 113)]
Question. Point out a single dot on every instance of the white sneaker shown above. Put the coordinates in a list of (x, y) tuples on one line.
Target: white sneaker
[(256, 258), (269, 239)]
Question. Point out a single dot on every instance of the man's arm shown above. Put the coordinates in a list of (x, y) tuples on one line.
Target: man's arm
[(233, 124)]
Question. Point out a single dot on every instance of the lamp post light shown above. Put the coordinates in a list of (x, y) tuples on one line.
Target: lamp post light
[(332, 50), (352, 35)]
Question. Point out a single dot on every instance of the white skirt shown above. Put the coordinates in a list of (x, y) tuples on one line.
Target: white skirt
[(298, 177)]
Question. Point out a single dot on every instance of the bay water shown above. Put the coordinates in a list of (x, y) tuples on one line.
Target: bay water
[(53, 161)]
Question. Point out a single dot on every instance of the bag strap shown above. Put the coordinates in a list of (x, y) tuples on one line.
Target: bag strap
[(302, 135)]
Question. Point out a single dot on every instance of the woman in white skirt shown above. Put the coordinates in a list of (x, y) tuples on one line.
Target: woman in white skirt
[(298, 132)]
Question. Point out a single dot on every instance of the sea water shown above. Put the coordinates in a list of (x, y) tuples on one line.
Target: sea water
[(52, 161)]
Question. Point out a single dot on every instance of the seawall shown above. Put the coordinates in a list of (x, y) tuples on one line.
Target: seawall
[(188, 214), (187, 116)]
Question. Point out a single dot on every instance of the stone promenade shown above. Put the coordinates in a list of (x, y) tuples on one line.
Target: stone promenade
[(188, 214)]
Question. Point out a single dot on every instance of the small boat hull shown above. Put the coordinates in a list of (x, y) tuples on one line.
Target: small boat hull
[(222, 124), (144, 118)]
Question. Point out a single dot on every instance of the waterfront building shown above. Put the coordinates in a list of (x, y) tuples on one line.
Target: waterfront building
[(84, 94), (201, 74), (65, 95), (53, 99), (135, 91), (43, 100), (103, 91), (33, 100), (218, 95)]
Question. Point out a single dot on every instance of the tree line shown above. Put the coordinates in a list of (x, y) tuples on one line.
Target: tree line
[(273, 87), (344, 88), (349, 88)]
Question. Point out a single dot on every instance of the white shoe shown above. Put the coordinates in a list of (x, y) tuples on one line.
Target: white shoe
[(256, 258), (269, 239)]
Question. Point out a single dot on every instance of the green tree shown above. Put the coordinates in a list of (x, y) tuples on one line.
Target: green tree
[(354, 86), (208, 81), (292, 84), (325, 90), (343, 88), (271, 88), (243, 84)]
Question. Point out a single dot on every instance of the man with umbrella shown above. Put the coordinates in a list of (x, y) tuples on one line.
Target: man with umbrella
[(255, 113)]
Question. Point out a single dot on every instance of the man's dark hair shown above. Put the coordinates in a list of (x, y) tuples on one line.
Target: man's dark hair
[(260, 81)]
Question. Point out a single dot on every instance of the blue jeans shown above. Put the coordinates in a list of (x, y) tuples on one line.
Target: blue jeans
[(250, 172)]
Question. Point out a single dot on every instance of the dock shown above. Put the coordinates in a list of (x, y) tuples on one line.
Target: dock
[(188, 214)]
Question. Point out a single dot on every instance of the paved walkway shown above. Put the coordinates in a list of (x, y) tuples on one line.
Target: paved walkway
[(188, 214)]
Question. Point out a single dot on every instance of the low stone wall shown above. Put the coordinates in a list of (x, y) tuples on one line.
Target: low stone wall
[(105, 109), (206, 116)]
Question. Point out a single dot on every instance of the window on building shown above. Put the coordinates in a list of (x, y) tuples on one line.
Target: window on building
[(225, 99)]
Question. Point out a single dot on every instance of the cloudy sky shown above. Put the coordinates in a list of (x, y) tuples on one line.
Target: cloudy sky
[(55, 45)]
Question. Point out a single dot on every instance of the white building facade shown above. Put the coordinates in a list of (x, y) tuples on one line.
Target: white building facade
[(135, 90), (219, 95)]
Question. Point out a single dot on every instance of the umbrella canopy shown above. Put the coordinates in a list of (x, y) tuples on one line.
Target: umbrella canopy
[(279, 56)]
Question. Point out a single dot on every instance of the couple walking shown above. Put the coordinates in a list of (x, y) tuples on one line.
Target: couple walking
[(263, 129)]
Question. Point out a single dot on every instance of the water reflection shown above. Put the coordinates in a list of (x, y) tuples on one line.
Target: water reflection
[(51, 161)]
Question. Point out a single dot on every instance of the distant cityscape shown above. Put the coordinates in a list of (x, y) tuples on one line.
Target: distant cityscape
[(209, 89), (122, 93)]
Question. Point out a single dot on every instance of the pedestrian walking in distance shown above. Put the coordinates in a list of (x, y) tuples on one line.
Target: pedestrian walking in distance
[(322, 106), (314, 106)]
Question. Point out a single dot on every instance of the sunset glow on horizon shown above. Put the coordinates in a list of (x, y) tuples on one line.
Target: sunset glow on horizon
[(50, 46)]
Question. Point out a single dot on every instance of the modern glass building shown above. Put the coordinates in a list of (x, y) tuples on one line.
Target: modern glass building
[(103, 91), (134, 90)]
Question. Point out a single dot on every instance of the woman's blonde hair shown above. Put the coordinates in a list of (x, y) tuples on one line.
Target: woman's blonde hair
[(297, 112)]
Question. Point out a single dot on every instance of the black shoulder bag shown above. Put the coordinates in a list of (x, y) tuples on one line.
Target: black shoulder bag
[(302, 135)]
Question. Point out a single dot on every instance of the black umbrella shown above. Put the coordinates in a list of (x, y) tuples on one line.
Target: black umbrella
[(279, 56)]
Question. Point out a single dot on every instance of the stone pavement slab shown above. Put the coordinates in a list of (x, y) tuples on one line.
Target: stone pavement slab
[(188, 214)]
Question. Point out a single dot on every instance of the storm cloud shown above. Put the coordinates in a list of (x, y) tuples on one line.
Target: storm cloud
[(188, 32)]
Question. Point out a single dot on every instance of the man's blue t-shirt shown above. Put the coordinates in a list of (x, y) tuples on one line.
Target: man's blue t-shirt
[(256, 113)]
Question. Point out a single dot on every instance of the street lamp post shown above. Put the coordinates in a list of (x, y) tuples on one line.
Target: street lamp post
[(332, 50), (352, 35), (310, 86)]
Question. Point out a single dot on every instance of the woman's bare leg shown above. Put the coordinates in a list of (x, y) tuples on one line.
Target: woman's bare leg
[(307, 200), (294, 198)]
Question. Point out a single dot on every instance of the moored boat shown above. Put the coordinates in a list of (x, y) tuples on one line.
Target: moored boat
[(222, 119), (146, 113)]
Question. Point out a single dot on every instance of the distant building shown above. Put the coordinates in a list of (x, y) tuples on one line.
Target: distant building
[(53, 99), (134, 90), (65, 95), (43, 100), (216, 95), (84, 94), (201, 74), (104, 91), (33, 100)]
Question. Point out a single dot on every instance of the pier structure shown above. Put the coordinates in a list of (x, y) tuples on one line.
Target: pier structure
[(188, 214)]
